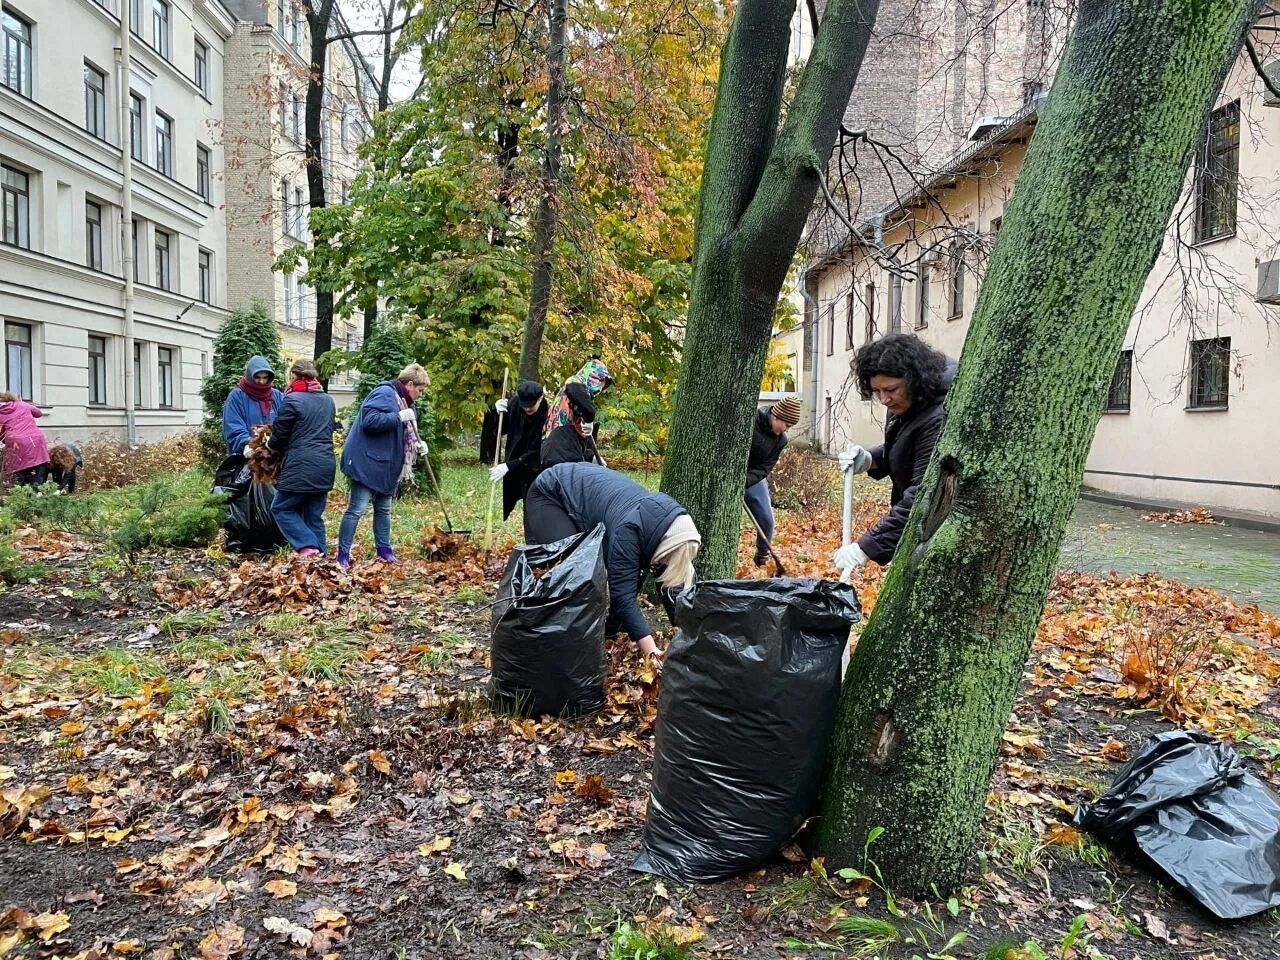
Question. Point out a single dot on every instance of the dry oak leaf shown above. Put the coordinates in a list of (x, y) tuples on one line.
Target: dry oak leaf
[(287, 929), (1114, 751), (566, 776), (280, 888), (1061, 834)]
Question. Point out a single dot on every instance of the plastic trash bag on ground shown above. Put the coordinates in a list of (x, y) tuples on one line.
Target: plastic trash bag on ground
[(1188, 803), (547, 634), (749, 688), (251, 526)]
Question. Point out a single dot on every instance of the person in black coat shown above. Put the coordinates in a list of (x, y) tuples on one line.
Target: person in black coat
[(303, 432), (911, 380), (573, 442), (642, 529), (523, 430), (768, 440)]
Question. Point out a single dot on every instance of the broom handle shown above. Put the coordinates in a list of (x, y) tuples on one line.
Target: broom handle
[(497, 451)]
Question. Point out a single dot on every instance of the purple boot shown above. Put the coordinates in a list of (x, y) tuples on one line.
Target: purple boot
[(344, 558), (387, 555)]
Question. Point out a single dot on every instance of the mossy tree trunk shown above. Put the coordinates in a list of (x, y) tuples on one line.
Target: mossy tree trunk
[(758, 185), (934, 678)]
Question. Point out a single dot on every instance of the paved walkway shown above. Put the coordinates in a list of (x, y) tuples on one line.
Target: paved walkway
[(1243, 564)]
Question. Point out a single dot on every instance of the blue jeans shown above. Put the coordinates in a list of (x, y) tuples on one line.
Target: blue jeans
[(300, 517), (361, 497), (761, 507)]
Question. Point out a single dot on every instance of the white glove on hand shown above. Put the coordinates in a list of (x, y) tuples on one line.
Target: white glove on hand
[(422, 448), (407, 415), (498, 472), (848, 558), (854, 458), (501, 405), (248, 451)]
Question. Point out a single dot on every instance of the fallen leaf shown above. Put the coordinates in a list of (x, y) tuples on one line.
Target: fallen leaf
[(455, 870), (222, 942), (285, 928), (438, 845), (380, 762), (48, 925), (328, 917), (280, 888)]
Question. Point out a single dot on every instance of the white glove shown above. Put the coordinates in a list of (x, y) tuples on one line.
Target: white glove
[(848, 558), (501, 405), (407, 415), (422, 448), (248, 451), (498, 472), (854, 458)]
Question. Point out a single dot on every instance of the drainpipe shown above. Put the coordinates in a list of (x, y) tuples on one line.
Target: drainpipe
[(124, 55), (815, 376)]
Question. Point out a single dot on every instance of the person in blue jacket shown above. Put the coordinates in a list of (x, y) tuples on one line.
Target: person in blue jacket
[(378, 454), (252, 401), (642, 529), (303, 432)]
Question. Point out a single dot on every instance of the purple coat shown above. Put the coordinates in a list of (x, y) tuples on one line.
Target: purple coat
[(24, 444)]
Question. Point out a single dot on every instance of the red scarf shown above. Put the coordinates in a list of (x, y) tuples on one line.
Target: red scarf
[(262, 392), (302, 385)]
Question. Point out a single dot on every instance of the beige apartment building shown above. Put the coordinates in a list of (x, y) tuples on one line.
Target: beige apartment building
[(268, 200), (113, 248), (1190, 416)]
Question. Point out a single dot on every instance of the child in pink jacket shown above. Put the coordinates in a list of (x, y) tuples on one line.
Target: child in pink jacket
[(25, 454)]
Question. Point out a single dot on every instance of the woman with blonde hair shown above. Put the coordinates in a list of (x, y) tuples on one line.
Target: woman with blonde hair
[(378, 453), (643, 530)]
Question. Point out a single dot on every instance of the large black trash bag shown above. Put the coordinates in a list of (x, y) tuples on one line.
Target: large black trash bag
[(749, 688), (548, 632), (1188, 803), (251, 526)]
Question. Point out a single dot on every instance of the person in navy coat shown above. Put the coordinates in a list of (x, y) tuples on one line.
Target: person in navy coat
[(378, 453), (643, 529), (303, 432)]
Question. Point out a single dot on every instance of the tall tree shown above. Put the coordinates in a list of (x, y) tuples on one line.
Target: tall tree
[(757, 188), (544, 221), (322, 15), (936, 671)]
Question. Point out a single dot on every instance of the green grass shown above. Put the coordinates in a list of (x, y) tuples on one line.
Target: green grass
[(632, 943), (190, 621), (115, 672), (329, 659)]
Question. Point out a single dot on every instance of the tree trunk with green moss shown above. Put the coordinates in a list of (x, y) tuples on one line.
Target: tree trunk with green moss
[(936, 671), (758, 186)]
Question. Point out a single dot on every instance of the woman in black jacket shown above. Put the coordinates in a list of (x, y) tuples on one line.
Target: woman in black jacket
[(911, 380), (523, 430), (573, 442), (642, 529), (303, 432)]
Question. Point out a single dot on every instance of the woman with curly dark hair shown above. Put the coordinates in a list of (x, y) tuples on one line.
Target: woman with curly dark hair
[(911, 380)]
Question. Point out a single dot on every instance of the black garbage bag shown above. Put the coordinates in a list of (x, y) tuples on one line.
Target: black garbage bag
[(250, 526), (548, 630), (749, 688), (1188, 803)]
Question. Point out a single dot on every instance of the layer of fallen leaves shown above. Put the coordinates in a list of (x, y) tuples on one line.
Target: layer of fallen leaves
[(264, 463), (1194, 515)]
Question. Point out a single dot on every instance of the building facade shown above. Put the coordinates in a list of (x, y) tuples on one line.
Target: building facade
[(113, 250), (1189, 417), (151, 172)]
